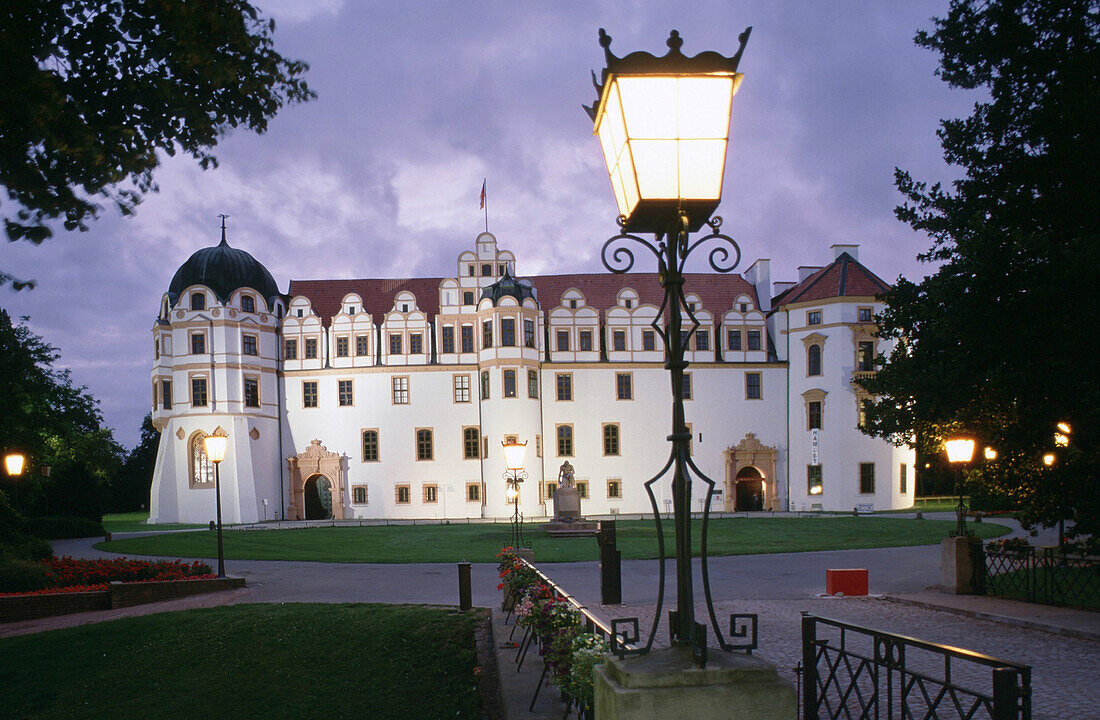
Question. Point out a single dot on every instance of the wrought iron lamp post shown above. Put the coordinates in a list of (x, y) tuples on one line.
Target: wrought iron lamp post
[(663, 125), (215, 451), (515, 475), (959, 453)]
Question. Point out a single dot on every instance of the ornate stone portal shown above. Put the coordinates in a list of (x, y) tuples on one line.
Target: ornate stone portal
[(750, 476), (315, 464)]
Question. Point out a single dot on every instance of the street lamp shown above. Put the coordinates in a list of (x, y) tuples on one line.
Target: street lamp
[(215, 451), (514, 475), (959, 452), (13, 463), (663, 126)]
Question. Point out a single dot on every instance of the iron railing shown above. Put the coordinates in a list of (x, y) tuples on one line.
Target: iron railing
[(1039, 575), (849, 671)]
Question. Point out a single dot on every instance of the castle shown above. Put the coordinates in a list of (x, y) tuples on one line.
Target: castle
[(390, 398)]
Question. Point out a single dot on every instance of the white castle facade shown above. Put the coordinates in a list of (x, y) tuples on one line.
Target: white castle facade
[(380, 398)]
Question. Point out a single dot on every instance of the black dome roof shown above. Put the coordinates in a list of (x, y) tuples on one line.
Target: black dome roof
[(223, 269), (508, 285)]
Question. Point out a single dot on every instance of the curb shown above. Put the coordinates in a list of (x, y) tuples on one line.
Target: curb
[(1002, 619)]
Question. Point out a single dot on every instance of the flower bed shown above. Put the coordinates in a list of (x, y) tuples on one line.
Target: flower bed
[(75, 575)]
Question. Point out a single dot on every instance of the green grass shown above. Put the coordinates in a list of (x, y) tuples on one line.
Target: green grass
[(924, 506), (135, 522), (480, 543), (250, 661)]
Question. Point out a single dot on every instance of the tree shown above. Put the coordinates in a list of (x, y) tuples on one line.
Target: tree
[(130, 491), (95, 90), (994, 342)]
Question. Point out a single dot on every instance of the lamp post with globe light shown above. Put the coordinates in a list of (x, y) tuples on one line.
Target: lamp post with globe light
[(215, 452)]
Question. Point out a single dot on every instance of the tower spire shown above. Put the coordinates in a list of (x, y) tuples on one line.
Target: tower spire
[(223, 216)]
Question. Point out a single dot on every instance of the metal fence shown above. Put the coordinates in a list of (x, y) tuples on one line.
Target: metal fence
[(1040, 575), (849, 671)]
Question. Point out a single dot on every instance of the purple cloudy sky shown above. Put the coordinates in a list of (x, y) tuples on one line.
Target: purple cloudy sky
[(419, 101)]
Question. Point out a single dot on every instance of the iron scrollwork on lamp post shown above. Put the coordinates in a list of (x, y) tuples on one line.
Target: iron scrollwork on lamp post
[(960, 451), (514, 475), (663, 125)]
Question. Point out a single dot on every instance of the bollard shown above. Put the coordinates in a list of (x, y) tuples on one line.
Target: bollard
[(465, 599), (611, 573)]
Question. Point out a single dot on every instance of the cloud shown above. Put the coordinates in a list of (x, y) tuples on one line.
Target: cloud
[(299, 11)]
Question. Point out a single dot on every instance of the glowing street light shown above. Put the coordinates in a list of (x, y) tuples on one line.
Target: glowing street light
[(13, 463), (960, 451), (1048, 459), (215, 452), (990, 453), (514, 474)]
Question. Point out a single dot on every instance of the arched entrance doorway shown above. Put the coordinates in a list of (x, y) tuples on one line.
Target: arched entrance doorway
[(318, 498), (750, 490)]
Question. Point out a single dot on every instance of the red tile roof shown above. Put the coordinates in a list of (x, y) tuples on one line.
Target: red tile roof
[(717, 293), (845, 277)]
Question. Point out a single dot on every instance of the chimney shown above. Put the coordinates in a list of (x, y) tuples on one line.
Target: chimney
[(781, 287), (839, 250), (759, 276), (805, 271)]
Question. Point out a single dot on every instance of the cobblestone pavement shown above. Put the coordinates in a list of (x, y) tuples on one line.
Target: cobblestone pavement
[(1063, 681)]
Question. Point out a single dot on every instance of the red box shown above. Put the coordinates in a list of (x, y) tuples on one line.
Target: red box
[(851, 581)]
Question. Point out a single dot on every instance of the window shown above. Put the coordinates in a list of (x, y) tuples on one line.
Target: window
[(563, 340), (752, 385), (351, 309), (509, 383), (467, 338), (623, 389), (532, 384), (370, 446), (564, 382), (448, 339), (614, 487), (359, 495), (866, 356), (754, 339), (202, 470), (565, 440), (572, 304), (610, 439), (470, 269), (813, 317), (431, 493), (416, 344), (342, 347), (198, 301), (198, 392), (585, 342), (813, 412), (344, 390), (248, 344), (486, 270), (864, 314), (473, 492), (529, 333), (507, 332), (618, 340), (487, 334), (311, 348), (485, 385), (400, 387), (198, 344), (813, 480), (648, 340), (582, 489), (290, 350), (687, 386), (538, 446), (395, 344), (629, 303), (501, 269), (300, 312), (813, 360), (423, 444), (166, 394), (471, 443), (861, 407), (462, 388), (362, 345), (684, 338), (702, 340), (251, 392), (248, 304), (733, 339), (403, 494), (468, 296), (866, 478), (309, 393), (903, 478)]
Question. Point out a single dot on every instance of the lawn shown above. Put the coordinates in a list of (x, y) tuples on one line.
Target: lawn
[(480, 543), (250, 661), (135, 522)]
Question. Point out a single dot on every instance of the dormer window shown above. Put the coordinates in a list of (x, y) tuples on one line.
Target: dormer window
[(351, 309), (501, 269), (628, 303), (470, 268), (404, 307), (198, 301), (743, 307), (573, 304), (300, 312), (248, 304)]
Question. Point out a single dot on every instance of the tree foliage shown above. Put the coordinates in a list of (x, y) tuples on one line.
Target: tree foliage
[(130, 491), (95, 90), (995, 343)]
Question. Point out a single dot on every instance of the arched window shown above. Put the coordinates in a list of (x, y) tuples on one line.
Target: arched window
[(813, 360), (565, 440), (202, 470), (248, 304), (424, 444), (198, 301)]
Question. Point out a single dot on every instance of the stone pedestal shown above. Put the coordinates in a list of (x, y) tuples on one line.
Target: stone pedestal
[(958, 573), (568, 521), (667, 684)]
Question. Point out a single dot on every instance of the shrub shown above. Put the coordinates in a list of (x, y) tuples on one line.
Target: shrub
[(60, 526), (17, 576)]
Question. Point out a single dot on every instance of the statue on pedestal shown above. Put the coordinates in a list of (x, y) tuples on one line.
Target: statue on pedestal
[(565, 475)]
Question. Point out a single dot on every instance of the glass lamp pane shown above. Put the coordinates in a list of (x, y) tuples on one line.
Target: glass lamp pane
[(704, 106), (701, 163), (513, 455), (13, 463), (649, 105), (959, 450), (215, 447), (629, 184), (655, 164)]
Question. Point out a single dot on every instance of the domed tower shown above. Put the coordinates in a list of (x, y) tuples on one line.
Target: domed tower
[(215, 368)]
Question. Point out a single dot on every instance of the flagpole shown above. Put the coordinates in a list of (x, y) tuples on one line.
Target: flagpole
[(485, 204)]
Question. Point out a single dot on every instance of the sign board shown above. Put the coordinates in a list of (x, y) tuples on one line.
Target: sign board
[(814, 447)]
